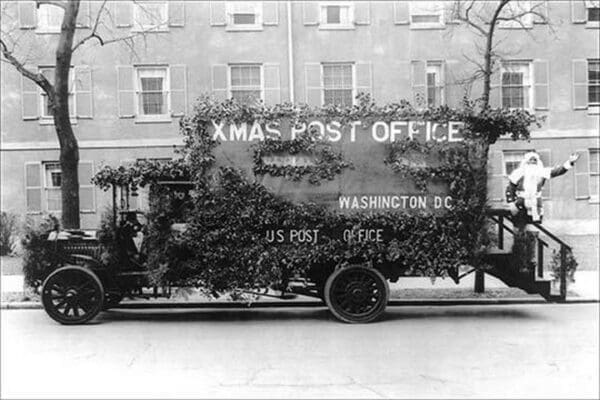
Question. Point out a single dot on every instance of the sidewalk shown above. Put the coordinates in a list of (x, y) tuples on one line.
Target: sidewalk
[(406, 290)]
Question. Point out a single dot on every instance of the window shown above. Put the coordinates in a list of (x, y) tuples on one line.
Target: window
[(426, 14), (594, 82), (49, 18), (244, 15), (520, 12), (336, 15), (46, 112), (594, 174), (245, 82), (52, 181), (150, 15), (516, 90), (435, 85), (512, 160), (338, 84), (593, 13), (152, 92)]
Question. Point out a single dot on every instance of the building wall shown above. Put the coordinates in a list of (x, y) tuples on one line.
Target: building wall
[(381, 41)]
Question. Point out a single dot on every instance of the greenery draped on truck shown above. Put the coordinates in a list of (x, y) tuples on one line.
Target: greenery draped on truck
[(224, 246)]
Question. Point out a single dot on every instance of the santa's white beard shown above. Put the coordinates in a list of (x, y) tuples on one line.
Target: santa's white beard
[(532, 176)]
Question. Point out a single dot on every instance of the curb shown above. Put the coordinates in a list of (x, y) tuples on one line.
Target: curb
[(34, 305)]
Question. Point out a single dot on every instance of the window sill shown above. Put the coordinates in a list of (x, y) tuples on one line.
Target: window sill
[(592, 25), (44, 31), (157, 120), (250, 28), (594, 110), (329, 27), (594, 200), (427, 26), (50, 121), (150, 29), (516, 27)]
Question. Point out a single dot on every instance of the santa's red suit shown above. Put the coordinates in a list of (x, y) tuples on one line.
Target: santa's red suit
[(525, 184)]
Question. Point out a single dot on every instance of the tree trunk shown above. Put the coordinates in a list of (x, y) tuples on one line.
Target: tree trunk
[(69, 149), (488, 65)]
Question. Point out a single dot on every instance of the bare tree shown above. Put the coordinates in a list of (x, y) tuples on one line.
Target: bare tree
[(58, 92), (484, 17)]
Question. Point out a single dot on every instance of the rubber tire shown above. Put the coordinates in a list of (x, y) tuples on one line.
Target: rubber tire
[(344, 316), (59, 317)]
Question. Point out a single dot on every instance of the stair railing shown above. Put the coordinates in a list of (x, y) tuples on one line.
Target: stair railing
[(500, 215)]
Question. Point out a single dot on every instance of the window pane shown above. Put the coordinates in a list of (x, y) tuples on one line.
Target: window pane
[(594, 14), (422, 19), (594, 161), (152, 84), (53, 197), (152, 103), (244, 19), (333, 15), (245, 96)]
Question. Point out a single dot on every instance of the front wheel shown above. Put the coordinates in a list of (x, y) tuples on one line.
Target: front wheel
[(356, 294), (72, 295)]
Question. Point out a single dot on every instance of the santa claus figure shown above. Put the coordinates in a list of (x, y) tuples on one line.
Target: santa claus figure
[(524, 190)]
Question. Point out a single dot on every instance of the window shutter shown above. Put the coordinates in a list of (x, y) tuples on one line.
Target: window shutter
[(176, 13), (87, 195), (541, 84), (313, 89), (401, 13), (310, 13), (452, 85), (496, 181), (124, 13), (83, 16), (27, 15), (542, 9), (580, 84), (496, 88), (364, 78), (126, 91), (33, 186), (362, 13), (83, 92), (217, 13), (419, 84), (578, 12), (545, 157), (404, 84), (270, 13), (178, 80), (30, 99), (582, 175), (219, 81), (272, 84)]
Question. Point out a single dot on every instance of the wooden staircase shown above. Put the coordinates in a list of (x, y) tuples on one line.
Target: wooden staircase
[(504, 265)]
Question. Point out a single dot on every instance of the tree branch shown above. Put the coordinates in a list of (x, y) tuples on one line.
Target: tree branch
[(93, 34), (38, 78)]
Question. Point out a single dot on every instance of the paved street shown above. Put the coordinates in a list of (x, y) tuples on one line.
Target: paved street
[(515, 351)]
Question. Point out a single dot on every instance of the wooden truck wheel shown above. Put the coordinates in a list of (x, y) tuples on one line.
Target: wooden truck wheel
[(356, 294), (72, 295)]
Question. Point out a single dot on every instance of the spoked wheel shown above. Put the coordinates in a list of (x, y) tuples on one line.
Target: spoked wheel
[(72, 295), (356, 294)]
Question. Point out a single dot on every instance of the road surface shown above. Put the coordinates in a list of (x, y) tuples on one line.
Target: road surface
[(514, 351)]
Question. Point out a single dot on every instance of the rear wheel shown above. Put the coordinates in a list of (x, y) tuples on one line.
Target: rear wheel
[(72, 295), (356, 294)]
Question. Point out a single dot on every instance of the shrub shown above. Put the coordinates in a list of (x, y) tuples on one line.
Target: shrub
[(8, 227), (38, 258), (571, 265)]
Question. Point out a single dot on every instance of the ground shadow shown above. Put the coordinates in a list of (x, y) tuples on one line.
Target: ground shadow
[(319, 313)]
